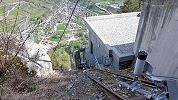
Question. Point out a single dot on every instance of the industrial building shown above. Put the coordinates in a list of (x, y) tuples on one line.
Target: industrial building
[(119, 38), (112, 38)]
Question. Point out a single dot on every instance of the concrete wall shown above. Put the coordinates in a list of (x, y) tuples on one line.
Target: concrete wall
[(116, 58), (100, 47), (158, 35)]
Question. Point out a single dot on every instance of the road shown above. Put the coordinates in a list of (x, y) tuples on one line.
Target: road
[(9, 11), (63, 10), (93, 12), (103, 9)]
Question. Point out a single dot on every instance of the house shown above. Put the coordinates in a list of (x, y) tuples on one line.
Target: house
[(112, 38)]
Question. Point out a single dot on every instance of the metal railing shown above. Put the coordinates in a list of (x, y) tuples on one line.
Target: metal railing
[(91, 60), (96, 61)]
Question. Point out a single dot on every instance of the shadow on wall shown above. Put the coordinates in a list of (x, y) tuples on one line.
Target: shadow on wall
[(125, 48), (125, 54)]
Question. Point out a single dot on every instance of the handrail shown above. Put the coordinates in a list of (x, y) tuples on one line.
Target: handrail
[(97, 63)]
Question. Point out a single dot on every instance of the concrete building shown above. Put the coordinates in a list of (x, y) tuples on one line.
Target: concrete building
[(112, 38), (158, 35), (117, 37)]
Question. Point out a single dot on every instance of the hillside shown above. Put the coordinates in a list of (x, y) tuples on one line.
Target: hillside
[(31, 9), (47, 47)]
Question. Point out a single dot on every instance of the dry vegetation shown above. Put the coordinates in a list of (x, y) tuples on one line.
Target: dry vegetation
[(17, 82), (13, 71)]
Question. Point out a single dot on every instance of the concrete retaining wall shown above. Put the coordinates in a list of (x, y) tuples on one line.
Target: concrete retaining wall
[(158, 35)]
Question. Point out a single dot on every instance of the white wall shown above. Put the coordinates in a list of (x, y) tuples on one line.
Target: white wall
[(100, 47), (158, 35)]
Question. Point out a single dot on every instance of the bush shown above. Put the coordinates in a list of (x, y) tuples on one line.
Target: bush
[(131, 6), (32, 73), (24, 85), (60, 58), (16, 65), (30, 86)]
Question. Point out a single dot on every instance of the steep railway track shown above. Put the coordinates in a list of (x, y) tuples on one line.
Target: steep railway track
[(124, 77), (106, 81), (111, 95)]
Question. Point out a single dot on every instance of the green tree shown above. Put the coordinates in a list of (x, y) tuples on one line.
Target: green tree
[(60, 58), (131, 6)]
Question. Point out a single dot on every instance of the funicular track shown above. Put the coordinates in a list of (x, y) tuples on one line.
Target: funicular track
[(108, 81), (124, 77), (111, 95), (115, 95)]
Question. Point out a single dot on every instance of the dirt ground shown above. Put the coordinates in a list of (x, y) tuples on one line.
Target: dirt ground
[(68, 85)]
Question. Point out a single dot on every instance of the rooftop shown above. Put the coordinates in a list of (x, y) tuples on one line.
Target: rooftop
[(117, 29)]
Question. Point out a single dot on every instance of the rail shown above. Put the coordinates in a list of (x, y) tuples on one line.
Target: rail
[(111, 95), (144, 82)]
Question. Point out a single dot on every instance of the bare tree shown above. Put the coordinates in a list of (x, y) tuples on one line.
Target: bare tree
[(12, 45)]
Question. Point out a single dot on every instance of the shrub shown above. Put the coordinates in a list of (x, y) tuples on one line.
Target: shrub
[(32, 73), (24, 85), (131, 6), (60, 58), (30, 86), (16, 65)]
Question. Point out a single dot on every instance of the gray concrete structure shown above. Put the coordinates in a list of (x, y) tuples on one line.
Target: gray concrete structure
[(113, 35), (158, 36)]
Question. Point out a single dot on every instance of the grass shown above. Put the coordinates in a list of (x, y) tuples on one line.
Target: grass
[(80, 21), (40, 12), (6, 9), (1, 11), (60, 29), (9, 25), (10, 1), (34, 8), (36, 37), (55, 38), (46, 30), (36, 1)]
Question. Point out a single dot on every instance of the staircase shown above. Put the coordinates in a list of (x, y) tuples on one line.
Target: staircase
[(105, 62), (99, 62)]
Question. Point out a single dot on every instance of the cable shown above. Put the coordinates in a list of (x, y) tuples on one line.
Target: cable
[(67, 25)]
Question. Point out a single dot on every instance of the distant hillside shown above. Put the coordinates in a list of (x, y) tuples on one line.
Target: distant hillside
[(33, 9), (91, 5), (96, 1)]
